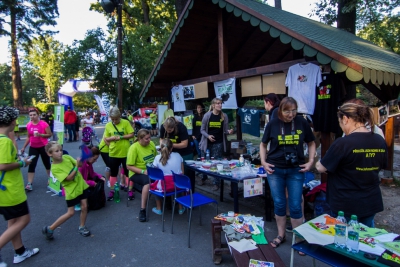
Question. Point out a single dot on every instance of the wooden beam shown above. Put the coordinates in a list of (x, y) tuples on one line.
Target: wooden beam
[(389, 138), (244, 73), (222, 52), (375, 91)]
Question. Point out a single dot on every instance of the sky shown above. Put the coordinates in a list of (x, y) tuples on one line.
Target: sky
[(76, 18)]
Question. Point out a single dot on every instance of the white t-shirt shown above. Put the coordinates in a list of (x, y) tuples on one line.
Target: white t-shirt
[(302, 81), (87, 122), (177, 98), (174, 164)]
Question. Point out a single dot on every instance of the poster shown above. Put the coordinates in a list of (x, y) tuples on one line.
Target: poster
[(59, 124), (383, 114), (226, 90), (393, 107), (188, 92), (252, 187)]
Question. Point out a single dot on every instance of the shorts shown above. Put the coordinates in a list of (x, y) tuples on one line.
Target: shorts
[(141, 179), (77, 200), (154, 126), (16, 211)]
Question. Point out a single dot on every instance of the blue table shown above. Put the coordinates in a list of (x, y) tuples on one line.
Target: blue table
[(234, 187)]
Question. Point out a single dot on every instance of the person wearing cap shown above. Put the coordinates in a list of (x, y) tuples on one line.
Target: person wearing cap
[(69, 121), (13, 199)]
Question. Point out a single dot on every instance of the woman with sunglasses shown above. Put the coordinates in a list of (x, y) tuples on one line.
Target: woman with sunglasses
[(38, 134), (353, 163), (285, 163), (214, 128)]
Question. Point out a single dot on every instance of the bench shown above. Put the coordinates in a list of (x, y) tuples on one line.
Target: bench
[(263, 253)]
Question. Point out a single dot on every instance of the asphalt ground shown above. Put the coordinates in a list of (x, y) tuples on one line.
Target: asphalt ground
[(118, 238)]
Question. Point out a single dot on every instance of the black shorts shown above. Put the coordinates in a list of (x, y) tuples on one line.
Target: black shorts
[(141, 179), (154, 126), (77, 200), (16, 211)]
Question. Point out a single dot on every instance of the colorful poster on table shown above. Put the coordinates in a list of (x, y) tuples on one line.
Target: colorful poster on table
[(59, 123), (252, 187), (226, 90)]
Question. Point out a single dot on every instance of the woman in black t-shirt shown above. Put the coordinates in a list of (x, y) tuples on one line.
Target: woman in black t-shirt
[(285, 163), (214, 128), (196, 122), (353, 163)]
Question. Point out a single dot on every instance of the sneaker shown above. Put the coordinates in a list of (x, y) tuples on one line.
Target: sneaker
[(48, 233), (156, 211), (182, 211), (122, 187), (84, 231), (110, 195), (108, 184), (28, 187), (27, 254), (77, 207), (3, 264), (131, 195), (142, 215)]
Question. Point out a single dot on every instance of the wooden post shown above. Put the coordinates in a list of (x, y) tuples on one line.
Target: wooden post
[(389, 137), (326, 142)]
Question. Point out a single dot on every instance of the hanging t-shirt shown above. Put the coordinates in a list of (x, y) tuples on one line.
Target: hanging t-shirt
[(177, 98), (302, 79), (250, 120), (326, 104), (215, 128), (187, 120), (353, 163)]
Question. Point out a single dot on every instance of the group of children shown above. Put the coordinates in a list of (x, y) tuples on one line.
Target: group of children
[(72, 174)]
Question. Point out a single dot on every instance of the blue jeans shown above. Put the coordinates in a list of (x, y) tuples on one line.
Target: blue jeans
[(293, 180), (71, 131)]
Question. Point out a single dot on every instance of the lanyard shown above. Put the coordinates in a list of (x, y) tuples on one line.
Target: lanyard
[(283, 128)]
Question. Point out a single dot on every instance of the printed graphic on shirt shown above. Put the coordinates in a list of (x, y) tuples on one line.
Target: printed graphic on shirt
[(198, 123), (324, 91), (214, 124), (369, 153), (148, 159), (288, 139), (302, 78)]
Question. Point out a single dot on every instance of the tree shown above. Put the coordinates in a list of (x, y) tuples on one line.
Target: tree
[(26, 20), (45, 56), (353, 15), (5, 85)]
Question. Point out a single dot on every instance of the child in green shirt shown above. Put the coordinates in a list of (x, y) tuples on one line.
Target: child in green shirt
[(65, 169)]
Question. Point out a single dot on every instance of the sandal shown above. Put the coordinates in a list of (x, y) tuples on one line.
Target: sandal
[(301, 253), (275, 243)]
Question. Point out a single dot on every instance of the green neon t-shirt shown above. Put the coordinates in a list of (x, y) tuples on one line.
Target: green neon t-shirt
[(139, 156), (118, 149)]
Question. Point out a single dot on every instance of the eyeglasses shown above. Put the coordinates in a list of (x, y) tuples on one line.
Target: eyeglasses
[(287, 112), (218, 103)]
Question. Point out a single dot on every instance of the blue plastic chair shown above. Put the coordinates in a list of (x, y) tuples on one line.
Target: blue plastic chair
[(190, 201), (156, 174)]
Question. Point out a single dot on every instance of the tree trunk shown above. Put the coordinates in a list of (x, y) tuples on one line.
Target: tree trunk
[(278, 4), (146, 12), (15, 68), (346, 21), (179, 6)]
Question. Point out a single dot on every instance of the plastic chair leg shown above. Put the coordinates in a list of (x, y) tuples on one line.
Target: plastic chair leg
[(147, 207), (172, 220), (162, 216), (190, 222)]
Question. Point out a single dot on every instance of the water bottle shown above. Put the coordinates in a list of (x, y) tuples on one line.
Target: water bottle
[(208, 155), (117, 198), (340, 230), (241, 160), (352, 235)]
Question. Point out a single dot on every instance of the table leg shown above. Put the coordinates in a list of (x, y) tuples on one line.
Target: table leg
[(234, 187), (221, 192), (267, 205)]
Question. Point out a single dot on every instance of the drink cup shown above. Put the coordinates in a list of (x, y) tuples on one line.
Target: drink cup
[(220, 167), (202, 159), (35, 133)]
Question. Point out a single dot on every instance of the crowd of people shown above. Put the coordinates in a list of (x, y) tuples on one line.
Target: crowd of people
[(352, 177)]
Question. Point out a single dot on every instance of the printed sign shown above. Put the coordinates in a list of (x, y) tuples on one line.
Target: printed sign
[(252, 187)]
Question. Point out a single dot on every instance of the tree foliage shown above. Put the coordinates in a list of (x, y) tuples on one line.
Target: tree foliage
[(5, 85), (45, 57), (22, 20)]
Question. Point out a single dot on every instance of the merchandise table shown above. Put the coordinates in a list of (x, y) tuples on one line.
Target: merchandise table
[(234, 188)]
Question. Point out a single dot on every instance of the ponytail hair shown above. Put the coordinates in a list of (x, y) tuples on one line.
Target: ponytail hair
[(166, 149), (358, 112)]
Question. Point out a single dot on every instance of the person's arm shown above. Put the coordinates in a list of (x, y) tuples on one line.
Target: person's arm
[(48, 133), (26, 143), (11, 135), (203, 126), (263, 157), (320, 168), (15, 165), (182, 168), (226, 125), (136, 169), (182, 144)]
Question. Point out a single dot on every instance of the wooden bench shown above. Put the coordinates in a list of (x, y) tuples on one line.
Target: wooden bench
[(263, 253)]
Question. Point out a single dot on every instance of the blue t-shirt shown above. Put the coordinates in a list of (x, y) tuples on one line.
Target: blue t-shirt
[(250, 120)]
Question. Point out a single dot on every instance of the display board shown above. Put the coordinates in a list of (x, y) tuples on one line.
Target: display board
[(251, 86), (274, 83)]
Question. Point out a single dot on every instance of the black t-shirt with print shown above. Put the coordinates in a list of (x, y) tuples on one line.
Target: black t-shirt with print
[(196, 123), (215, 128), (291, 141), (182, 135), (353, 163)]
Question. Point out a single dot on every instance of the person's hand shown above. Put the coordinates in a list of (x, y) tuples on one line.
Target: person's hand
[(230, 131), (27, 161), (306, 167), (211, 138), (194, 137), (268, 167)]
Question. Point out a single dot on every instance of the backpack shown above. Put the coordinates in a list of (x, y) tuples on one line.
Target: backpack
[(97, 197), (87, 134)]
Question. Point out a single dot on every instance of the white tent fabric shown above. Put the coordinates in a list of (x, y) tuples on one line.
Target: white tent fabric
[(71, 87)]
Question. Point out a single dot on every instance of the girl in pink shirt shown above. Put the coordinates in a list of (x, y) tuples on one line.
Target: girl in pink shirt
[(38, 134)]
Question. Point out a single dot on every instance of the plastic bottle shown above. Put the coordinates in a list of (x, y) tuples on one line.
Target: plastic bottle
[(241, 160), (352, 235), (340, 230), (117, 198), (208, 155)]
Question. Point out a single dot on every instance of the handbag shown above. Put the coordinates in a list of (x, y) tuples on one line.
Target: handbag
[(97, 197)]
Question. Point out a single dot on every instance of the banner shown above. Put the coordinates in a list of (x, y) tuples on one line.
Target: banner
[(106, 105), (59, 123), (226, 90), (100, 105)]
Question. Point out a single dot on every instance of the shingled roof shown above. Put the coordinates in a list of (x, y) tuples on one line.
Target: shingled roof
[(256, 35)]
